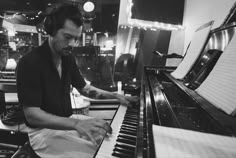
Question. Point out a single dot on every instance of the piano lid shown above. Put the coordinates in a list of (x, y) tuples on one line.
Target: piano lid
[(231, 17), (217, 42)]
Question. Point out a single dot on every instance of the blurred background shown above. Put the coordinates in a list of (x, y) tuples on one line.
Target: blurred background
[(118, 38)]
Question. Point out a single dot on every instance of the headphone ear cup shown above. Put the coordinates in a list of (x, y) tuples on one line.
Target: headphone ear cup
[(48, 24)]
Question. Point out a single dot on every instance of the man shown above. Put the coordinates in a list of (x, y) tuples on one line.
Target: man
[(44, 77)]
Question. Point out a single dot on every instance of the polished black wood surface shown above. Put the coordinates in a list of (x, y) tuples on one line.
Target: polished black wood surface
[(216, 43), (168, 102), (181, 107)]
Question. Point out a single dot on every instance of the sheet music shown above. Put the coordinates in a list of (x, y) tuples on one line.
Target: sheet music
[(219, 88), (193, 52), (180, 143)]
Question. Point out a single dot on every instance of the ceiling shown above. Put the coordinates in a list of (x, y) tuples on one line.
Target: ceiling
[(104, 9), (29, 6), (24, 6)]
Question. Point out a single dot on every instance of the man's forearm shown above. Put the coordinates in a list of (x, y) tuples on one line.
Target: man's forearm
[(101, 94), (97, 93), (39, 118)]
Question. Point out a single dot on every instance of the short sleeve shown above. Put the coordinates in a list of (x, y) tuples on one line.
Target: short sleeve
[(28, 84), (77, 79)]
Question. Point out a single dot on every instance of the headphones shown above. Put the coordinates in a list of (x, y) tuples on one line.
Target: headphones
[(55, 20), (50, 23)]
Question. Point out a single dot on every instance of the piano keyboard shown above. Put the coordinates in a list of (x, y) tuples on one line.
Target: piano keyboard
[(122, 142)]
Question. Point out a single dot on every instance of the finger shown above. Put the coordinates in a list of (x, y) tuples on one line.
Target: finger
[(126, 102), (99, 131), (103, 124), (85, 137), (91, 138), (134, 99), (108, 128)]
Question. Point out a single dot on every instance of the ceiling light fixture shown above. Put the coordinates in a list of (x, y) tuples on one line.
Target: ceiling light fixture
[(89, 6)]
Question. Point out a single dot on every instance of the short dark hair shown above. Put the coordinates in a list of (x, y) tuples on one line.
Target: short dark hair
[(58, 16)]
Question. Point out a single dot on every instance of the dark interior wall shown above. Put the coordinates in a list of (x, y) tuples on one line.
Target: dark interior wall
[(107, 19), (146, 44), (162, 46), (1, 19), (150, 41), (166, 11)]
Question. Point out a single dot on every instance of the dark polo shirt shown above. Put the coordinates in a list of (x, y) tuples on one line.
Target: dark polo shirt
[(39, 84)]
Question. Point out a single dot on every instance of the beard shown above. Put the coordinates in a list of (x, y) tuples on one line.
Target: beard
[(66, 51)]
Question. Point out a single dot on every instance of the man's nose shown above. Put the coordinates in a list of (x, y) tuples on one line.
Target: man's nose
[(72, 42)]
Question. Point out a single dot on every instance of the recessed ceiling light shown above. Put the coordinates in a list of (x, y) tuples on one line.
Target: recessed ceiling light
[(89, 6)]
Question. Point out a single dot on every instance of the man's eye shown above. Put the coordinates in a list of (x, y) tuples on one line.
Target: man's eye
[(68, 38)]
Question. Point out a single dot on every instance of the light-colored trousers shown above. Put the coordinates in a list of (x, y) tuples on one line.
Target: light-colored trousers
[(48, 143)]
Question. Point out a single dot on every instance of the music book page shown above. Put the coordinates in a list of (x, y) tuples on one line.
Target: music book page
[(180, 143), (193, 52), (219, 88)]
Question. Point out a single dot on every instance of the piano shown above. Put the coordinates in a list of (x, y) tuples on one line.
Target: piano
[(169, 102)]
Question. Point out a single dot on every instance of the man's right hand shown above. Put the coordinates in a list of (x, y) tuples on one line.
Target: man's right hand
[(92, 128)]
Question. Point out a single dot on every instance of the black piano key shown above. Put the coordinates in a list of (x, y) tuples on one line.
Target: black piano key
[(130, 123), (124, 125), (123, 150), (130, 120), (132, 132), (129, 126), (129, 129), (126, 141), (121, 155), (127, 137), (131, 115), (128, 132), (126, 146), (132, 110), (133, 136)]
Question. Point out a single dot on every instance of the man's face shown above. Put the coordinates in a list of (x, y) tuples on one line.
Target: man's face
[(66, 37)]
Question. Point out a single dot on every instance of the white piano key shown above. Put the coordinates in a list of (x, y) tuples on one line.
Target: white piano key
[(108, 143)]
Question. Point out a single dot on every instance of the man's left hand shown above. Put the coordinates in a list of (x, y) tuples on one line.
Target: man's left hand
[(128, 100)]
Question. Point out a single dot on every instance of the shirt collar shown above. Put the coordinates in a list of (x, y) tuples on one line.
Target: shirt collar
[(47, 52)]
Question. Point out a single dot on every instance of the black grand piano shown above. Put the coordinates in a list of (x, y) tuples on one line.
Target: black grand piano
[(169, 102), (165, 101)]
